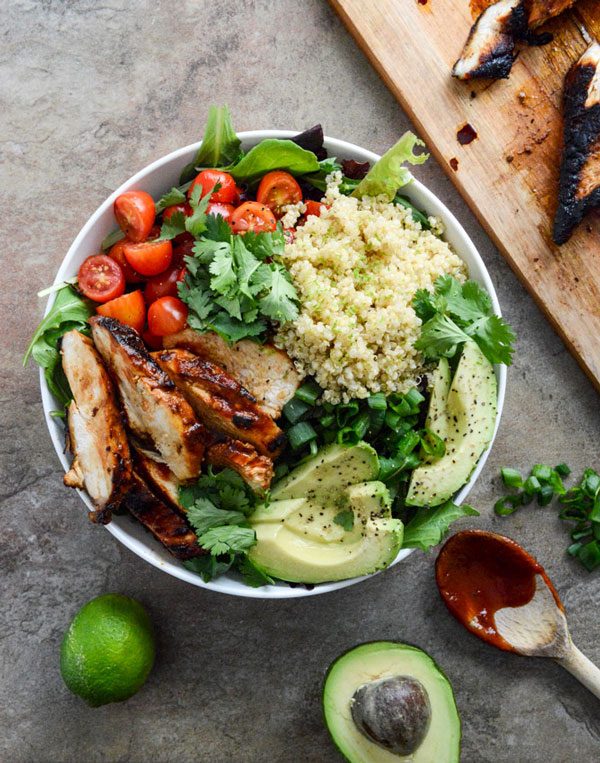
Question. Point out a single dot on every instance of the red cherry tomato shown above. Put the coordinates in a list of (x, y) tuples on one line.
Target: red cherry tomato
[(150, 257), (276, 190), (185, 208), (167, 315), (118, 255), (183, 246), (313, 208), (225, 210), (128, 309), (135, 213), (101, 278), (164, 284), (228, 192), (252, 216), (154, 342)]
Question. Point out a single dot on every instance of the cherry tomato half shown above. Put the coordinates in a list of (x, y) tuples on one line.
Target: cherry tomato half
[(101, 278), (164, 284), (167, 315), (313, 208), (183, 246), (135, 213), (118, 255), (150, 257), (225, 210), (276, 190), (185, 208), (252, 216), (128, 309), (228, 192)]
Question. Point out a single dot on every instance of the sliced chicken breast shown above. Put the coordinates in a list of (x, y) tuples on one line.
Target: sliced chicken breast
[(541, 11), (158, 477), (101, 459), (579, 186), (220, 401), (489, 50), (167, 526), (157, 413), (255, 470), (266, 372)]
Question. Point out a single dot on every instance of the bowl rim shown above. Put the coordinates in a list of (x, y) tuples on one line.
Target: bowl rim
[(225, 584)]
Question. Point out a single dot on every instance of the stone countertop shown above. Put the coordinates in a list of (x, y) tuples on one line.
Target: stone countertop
[(91, 93)]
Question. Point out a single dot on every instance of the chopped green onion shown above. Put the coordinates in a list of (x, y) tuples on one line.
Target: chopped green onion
[(507, 505), (579, 534), (573, 549), (314, 448), (294, 409), (532, 485), (432, 445), (361, 425), (545, 495), (327, 421), (542, 472), (414, 398), (563, 470), (589, 555), (512, 478), (300, 434), (377, 402), (595, 512), (345, 412), (408, 443), (347, 436), (392, 419), (309, 393), (376, 420)]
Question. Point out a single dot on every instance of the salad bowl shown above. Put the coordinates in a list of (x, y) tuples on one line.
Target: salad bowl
[(155, 179)]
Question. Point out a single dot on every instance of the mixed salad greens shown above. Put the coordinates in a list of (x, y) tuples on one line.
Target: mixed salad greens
[(209, 256)]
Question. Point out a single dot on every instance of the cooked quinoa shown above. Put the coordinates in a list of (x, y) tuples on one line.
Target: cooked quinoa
[(356, 269)]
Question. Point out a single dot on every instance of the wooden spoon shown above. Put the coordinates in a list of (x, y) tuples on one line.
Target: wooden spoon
[(502, 594)]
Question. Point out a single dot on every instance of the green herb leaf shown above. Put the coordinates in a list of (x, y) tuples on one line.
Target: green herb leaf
[(345, 519), (428, 527), (169, 199), (172, 226), (203, 515), (440, 337), (229, 539), (209, 567), (253, 575)]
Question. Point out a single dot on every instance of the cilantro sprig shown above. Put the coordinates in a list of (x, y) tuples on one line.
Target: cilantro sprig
[(455, 313), (235, 283), (217, 507), (579, 504)]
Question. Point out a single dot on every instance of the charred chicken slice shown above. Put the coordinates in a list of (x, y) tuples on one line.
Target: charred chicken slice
[(255, 470), (101, 461), (157, 413), (541, 11), (159, 478), (490, 46), (167, 526), (220, 401), (579, 188), (266, 372)]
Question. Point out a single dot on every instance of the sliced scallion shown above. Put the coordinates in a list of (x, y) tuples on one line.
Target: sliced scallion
[(301, 434)]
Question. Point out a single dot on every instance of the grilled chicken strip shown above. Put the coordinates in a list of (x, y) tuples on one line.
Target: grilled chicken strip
[(101, 460), (220, 401), (266, 372), (579, 187), (490, 46), (541, 11), (158, 477), (167, 526), (157, 413), (255, 470)]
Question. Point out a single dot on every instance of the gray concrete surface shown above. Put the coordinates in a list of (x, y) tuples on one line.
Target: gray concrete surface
[(91, 92)]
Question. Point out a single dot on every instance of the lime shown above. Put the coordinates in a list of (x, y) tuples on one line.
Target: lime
[(108, 651)]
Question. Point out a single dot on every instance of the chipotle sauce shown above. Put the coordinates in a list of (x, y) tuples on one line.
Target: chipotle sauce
[(479, 573)]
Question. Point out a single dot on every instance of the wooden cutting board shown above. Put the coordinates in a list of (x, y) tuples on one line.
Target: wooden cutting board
[(508, 175)]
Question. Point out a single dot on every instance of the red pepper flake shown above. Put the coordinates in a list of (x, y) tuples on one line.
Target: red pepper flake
[(466, 134), (454, 163)]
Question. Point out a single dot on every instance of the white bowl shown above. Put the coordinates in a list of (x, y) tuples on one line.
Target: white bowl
[(157, 178)]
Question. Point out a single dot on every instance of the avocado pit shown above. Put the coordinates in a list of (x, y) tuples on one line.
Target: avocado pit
[(393, 712)]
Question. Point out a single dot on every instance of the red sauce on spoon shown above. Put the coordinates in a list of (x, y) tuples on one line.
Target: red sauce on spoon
[(479, 572)]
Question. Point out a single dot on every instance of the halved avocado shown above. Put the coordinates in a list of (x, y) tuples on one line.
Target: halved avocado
[(399, 705)]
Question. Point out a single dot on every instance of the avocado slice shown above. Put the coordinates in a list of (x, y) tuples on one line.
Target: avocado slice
[(439, 387), (334, 531), (432, 726), (335, 466), (471, 408)]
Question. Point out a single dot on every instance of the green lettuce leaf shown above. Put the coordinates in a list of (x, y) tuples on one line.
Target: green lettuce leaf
[(274, 154), (428, 527), (220, 145), (389, 174)]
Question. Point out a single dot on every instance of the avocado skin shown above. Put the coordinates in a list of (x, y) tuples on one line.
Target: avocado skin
[(375, 645)]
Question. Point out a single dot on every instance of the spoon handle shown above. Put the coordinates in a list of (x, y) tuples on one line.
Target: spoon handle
[(582, 668)]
